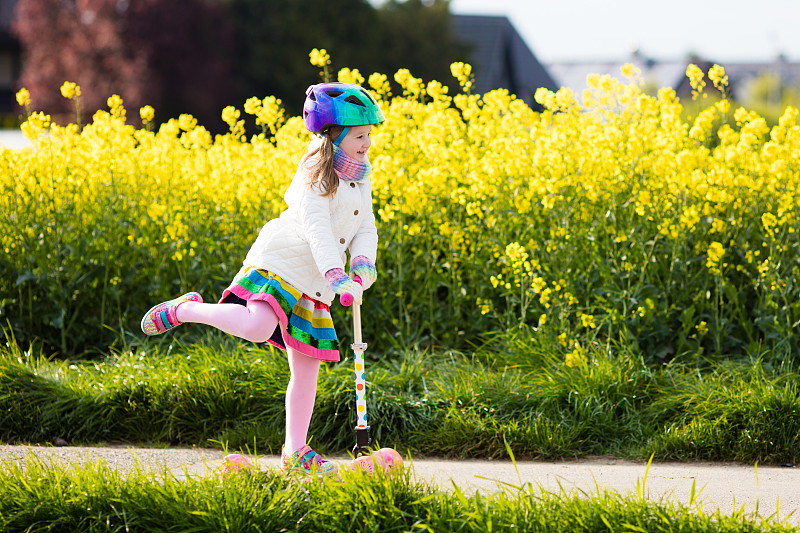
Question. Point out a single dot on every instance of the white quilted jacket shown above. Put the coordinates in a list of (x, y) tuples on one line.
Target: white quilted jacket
[(311, 236)]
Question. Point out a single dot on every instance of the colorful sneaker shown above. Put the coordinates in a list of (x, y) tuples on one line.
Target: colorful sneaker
[(161, 318), (308, 462)]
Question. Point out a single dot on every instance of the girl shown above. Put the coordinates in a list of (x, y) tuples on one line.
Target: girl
[(295, 268)]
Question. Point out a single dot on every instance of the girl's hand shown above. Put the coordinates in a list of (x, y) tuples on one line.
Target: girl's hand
[(363, 267), (341, 283)]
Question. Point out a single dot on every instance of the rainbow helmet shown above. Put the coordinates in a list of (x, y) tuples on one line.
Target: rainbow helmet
[(339, 104)]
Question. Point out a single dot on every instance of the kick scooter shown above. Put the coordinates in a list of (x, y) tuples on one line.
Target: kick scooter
[(364, 457)]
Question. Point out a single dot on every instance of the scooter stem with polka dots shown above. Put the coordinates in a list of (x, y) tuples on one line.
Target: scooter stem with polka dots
[(363, 440)]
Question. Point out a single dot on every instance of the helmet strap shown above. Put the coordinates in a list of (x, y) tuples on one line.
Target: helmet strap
[(341, 136)]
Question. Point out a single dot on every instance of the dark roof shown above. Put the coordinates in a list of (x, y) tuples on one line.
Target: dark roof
[(500, 57), (7, 16)]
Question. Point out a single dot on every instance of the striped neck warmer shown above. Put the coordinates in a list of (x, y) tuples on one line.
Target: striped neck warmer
[(348, 168)]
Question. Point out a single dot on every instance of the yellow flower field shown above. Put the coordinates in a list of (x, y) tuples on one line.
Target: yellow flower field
[(609, 217)]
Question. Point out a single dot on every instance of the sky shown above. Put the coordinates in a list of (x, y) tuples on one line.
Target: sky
[(576, 30)]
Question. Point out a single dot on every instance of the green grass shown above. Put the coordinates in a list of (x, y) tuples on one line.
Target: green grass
[(227, 392), (94, 498)]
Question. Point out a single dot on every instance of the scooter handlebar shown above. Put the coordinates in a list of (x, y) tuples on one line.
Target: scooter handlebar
[(346, 299)]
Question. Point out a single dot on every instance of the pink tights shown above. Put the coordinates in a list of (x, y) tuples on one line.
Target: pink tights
[(256, 322)]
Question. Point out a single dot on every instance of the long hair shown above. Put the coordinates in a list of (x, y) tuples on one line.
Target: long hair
[(321, 173)]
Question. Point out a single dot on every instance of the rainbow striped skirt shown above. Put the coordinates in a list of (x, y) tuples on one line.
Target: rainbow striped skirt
[(305, 324)]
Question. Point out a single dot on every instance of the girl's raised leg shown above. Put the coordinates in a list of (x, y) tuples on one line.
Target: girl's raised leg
[(255, 322)]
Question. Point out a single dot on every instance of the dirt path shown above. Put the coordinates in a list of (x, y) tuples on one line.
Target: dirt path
[(767, 489)]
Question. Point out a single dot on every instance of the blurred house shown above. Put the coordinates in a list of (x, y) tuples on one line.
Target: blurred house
[(10, 58), (657, 74), (743, 76), (500, 58)]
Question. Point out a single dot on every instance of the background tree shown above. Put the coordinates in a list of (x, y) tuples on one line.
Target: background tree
[(79, 41), (166, 53), (274, 38), (198, 56), (418, 35), (188, 45)]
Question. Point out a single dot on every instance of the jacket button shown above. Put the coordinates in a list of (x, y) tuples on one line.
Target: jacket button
[(355, 212), (352, 184), (341, 241), (318, 295)]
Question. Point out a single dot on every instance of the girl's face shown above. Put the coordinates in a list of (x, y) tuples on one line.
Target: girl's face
[(356, 143)]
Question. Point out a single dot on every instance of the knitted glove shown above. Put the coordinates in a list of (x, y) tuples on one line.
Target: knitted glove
[(363, 267), (341, 283)]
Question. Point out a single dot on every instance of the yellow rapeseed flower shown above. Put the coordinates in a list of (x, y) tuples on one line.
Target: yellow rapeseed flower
[(24, 97), (380, 84), (412, 86), (718, 77), (538, 284), (631, 71), (252, 106), (187, 122), (347, 75), (484, 305), (696, 79), (116, 107), (269, 113), (230, 115), (769, 222), (147, 114), (715, 253), (319, 58), (37, 124), (438, 92), (463, 73), (577, 357), (70, 90)]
